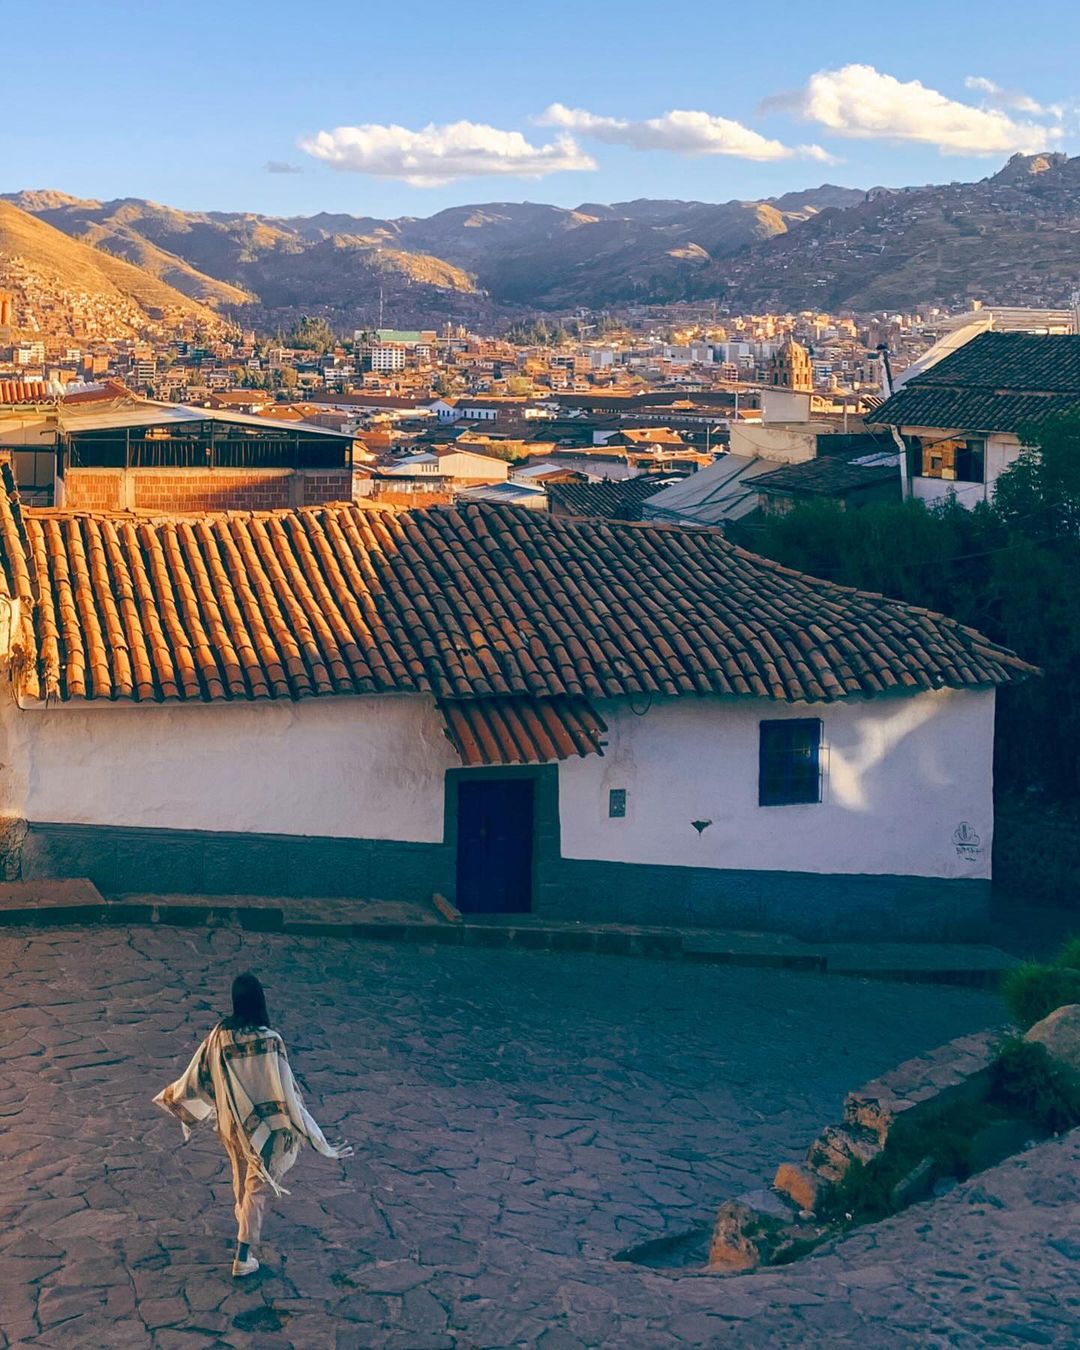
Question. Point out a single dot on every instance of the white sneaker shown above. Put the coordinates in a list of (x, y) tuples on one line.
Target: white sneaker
[(246, 1267)]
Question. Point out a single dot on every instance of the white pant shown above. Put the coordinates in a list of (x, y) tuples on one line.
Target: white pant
[(250, 1187)]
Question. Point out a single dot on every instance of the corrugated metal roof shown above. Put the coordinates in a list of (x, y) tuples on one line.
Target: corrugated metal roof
[(510, 494), (134, 415), (719, 492)]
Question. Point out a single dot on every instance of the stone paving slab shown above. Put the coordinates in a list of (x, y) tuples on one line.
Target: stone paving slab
[(50, 903), (517, 1122)]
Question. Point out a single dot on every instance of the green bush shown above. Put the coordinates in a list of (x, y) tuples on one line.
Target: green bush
[(1069, 956), (1032, 991), (1027, 1080)]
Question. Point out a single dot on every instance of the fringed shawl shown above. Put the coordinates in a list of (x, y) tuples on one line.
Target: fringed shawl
[(243, 1082)]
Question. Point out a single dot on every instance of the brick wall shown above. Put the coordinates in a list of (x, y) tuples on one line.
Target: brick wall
[(189, 490), (90, 490), (412, 501), (325, 485)]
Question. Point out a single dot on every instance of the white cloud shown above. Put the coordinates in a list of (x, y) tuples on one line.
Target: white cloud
[(680, 131), (441, 154), (1015, 99), (281, 166), (860, 102), (817, 152)]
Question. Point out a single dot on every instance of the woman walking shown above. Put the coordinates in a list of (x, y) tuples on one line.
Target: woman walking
[(240, 1078)]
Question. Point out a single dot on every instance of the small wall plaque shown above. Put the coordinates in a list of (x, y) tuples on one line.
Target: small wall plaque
[(617, 803)]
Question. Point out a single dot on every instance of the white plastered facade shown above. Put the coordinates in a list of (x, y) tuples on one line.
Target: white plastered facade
[(904, 778)]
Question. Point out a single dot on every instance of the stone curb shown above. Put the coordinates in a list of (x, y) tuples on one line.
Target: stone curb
[(448, 931)]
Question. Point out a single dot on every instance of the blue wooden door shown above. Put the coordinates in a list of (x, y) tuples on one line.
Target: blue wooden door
[(495, 845)]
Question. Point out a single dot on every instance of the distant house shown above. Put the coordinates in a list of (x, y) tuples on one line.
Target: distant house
[(575, 717), (123, 453), (849, 481), (961, 419), (464, 467), (543, 473)]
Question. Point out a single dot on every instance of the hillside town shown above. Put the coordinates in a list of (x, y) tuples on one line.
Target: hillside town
[(540, 748)]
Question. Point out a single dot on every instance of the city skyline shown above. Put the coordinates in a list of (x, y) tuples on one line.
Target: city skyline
[(374, 118)]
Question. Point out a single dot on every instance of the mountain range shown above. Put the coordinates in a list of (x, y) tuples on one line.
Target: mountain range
[(72, 286), (1009, 238)]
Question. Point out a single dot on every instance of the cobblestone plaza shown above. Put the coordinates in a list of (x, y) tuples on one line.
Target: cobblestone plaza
[(519, 1119)]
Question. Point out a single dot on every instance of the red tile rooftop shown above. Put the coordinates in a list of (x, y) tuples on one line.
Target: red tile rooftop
[(462, 603)]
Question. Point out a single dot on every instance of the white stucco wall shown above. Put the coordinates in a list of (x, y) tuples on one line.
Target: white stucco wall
[(367, 768), (779, 444), (900, 775)]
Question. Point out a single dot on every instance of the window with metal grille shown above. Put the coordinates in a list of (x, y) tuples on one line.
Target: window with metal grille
[(789, 762)]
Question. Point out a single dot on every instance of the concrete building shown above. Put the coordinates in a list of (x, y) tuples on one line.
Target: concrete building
[(115, 452)]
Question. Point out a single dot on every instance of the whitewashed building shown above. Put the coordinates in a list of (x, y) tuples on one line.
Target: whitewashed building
[(575, 717), (961, 419)]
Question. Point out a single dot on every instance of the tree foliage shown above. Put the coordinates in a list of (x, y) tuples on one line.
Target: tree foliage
[(311, 334), (1010, 569)]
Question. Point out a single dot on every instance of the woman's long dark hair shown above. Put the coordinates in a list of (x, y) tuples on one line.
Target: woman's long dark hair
[(248, 1004)]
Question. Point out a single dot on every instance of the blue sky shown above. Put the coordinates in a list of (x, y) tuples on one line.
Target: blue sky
[(406, 109)]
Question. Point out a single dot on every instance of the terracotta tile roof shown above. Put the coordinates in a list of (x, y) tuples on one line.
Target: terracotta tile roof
[(995, 382), (827, 476), (23, 391), (491, 731), (619, 500), (1020, 362), (468, 602), (970, 410)]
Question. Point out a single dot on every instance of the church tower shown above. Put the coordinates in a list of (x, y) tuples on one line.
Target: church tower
[(790, 368)]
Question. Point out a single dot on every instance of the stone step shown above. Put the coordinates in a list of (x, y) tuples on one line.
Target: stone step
[(960, 1066)]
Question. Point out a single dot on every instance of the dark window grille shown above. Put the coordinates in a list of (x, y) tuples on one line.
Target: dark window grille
[(789, 762)]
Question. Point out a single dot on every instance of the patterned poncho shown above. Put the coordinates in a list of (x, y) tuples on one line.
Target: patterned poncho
[(242, 1081)]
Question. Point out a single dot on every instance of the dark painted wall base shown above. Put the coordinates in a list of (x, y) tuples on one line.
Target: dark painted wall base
[(817, 907), (198, 862), (203, 862)]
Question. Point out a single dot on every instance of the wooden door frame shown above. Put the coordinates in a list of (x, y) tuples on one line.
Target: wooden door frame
[(545, 823)]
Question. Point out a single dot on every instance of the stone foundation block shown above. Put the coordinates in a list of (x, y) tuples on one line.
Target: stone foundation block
[(805, 1189), (761, 1228), (837, 1147)]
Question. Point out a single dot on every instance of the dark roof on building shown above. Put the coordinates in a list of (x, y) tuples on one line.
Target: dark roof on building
[(827, 476), (995, 382), (478, 602), (620, 500)]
